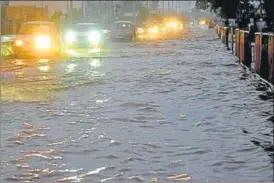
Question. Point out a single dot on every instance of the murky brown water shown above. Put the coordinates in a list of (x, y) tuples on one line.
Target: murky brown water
[(175, 110)]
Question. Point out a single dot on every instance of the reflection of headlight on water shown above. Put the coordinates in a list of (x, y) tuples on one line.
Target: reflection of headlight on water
[(43, 60), (42, 42), (95, 50), (94, 37), (95, 63), (19, 62), (70, 67), (44, 68)]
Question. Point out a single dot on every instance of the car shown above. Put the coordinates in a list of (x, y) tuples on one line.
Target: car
[(124, 30), (151, 31), (174, 28), (90, 35), (36, 39)]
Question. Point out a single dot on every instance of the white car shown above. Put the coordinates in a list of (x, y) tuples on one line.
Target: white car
[(123, 30), (84, 35)]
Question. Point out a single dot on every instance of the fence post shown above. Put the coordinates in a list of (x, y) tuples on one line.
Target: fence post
[(242, 47), (257, 48), (226, 37), (264, 56), (237, 43), (271, 57), (232, 39), (247, 50), (223, 35)]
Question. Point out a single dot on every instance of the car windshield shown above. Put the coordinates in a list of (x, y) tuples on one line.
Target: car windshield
[(35, 28), (123, 25), (87, 27)]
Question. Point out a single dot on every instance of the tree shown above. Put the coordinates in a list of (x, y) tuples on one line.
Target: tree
[(241, 10), (269, 12), (203, 5)]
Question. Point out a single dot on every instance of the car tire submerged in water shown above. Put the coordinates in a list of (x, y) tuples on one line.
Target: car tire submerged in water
[(130, 38)]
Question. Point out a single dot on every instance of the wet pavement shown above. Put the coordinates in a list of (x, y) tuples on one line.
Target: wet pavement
[(169, 110)]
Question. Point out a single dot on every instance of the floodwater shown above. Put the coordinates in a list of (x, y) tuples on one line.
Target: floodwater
[(170, 110)]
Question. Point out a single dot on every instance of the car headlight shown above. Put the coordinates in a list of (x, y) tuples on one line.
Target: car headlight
[(70, 37), (140, 30), (94, 37), (153, 30), (42, 42), (172, 25), (105, 31), (202, 22), (19, 43)]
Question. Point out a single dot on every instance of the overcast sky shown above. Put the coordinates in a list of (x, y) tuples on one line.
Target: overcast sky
[(62, 5)]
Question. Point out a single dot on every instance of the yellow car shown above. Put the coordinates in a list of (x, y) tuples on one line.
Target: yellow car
[(37, 38), (151, 32), (174, 29)]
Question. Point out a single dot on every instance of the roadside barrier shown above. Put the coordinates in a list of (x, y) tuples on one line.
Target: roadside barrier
[(263, 50), (257, 50), (232, 39), (237, 52), (271, 57)]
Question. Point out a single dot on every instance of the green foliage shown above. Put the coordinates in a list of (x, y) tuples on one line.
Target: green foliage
[(226, 8), (6, 49)]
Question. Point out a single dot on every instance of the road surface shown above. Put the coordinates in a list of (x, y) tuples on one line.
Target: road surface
[(141, 112)]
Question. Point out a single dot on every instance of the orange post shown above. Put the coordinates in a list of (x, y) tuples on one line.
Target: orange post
[(242, 46), (237, 31), (257, 49)]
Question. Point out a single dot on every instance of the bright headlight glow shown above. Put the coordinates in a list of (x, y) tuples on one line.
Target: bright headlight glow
[(153, 30), (105, 31), (172, 25), (140, 30), (42, 42), (18, 42), (202, 22), (94, 37), (70, 37)]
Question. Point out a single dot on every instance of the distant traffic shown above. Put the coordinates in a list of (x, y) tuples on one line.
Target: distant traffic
[(41, 38)]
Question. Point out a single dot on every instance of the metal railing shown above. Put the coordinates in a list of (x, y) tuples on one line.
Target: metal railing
[(261, 53)]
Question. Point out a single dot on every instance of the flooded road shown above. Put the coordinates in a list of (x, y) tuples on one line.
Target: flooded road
[(174, 110)]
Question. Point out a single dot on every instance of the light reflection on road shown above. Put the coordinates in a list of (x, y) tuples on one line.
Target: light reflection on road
[(38, 80)]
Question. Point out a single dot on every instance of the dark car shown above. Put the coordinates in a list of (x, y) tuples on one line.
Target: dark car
[(123, 30)]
